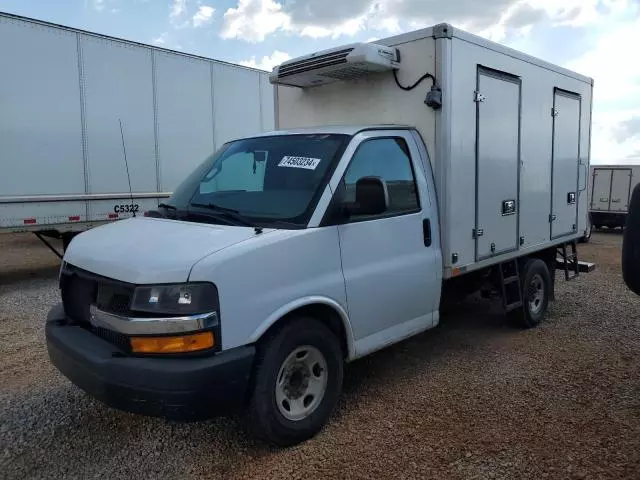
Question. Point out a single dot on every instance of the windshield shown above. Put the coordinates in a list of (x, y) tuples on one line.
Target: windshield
[(274, 179)]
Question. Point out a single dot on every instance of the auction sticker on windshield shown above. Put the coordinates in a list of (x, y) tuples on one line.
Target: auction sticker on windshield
[(299, 162)]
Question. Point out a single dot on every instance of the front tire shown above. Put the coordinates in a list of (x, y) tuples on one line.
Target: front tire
[(298, 379), (536, 291)]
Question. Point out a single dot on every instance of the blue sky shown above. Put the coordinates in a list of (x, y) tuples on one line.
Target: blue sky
[(594, 37)]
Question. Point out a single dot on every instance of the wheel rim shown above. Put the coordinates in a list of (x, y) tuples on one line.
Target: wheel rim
[(301, 383), (536, 294)]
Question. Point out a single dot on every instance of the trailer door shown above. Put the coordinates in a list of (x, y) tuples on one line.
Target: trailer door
[(620, 189), (601, 189), (497, 163), (565, 163)]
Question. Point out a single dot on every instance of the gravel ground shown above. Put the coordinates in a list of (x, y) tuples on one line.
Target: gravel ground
[(473, 398)]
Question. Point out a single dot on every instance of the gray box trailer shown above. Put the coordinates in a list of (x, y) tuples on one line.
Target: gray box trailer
[(63, 94), (611, 187)]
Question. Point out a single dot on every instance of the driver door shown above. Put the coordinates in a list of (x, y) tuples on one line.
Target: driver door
[(392, 272)]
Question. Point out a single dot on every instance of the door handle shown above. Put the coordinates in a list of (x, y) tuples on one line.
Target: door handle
[(583, 165), (426, 231)]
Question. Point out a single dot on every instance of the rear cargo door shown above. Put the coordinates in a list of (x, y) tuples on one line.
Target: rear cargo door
[(497, 163), (620, 189), (565, 160), (601, 189)]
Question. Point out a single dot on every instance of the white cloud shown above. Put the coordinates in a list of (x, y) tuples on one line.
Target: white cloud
[(267, 62), (161, 39), (98, 5), (178, 8), (253, 20), (203, 16), (616, 129)]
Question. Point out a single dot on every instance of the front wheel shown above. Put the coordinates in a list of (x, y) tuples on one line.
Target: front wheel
[(536, 291), (298, 379)]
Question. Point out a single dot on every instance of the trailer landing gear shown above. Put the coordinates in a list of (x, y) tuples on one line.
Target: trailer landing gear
[(66, 238)]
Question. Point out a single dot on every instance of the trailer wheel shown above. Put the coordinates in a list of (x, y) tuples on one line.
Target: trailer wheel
[(536, 292), (297, 382)]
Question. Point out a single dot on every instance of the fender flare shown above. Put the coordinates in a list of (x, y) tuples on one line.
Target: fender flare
[(276, 316)]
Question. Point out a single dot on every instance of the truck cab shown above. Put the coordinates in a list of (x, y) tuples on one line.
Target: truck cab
[(280, 257)]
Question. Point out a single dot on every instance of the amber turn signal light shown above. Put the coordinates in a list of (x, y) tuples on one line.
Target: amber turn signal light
[(181, 344)]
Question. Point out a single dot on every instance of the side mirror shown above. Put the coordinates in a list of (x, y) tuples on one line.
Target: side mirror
[(631, 244), (372, 197)]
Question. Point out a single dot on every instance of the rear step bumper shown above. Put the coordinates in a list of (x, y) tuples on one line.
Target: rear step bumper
[(584, 267)]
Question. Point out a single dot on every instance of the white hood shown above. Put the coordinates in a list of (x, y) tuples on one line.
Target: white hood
[(150, 250)]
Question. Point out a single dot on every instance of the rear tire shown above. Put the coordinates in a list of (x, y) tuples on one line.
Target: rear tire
[(536, 292), (297, 382), (587, 236)]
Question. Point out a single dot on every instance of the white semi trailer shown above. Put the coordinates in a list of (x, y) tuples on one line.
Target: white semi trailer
[(63, 95), (611, 187)]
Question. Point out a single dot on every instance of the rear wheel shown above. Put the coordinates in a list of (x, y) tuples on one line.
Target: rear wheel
[(536, 291), (587, 235), (298, 379)]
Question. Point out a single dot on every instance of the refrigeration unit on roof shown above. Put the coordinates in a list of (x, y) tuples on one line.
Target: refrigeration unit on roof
[(341, 63)]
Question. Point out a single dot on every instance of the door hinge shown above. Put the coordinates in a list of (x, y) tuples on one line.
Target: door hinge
[(478, 97), (475, 233), (552, 217), (554, 112)]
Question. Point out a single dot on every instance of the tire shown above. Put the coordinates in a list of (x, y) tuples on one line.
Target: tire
[(536, 292), (631, 244), (66, 240), (587, 235), (282, 368)]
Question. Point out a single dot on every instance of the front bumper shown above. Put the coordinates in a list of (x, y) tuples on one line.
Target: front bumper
[(187, 388)]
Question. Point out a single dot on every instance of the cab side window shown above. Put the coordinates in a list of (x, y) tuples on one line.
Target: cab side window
[(389, 159)]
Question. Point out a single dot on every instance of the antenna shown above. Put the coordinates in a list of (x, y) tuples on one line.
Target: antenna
[(124, 150)]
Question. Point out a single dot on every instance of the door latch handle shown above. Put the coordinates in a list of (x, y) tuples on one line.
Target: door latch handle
[(426, 231)]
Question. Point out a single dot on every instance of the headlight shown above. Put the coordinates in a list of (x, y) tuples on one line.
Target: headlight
[(176, 299)]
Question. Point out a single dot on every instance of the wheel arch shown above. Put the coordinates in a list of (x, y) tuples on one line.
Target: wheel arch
[(324, 309)]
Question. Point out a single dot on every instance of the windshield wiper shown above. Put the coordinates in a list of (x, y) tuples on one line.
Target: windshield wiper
[(167, 206), (229, 213)]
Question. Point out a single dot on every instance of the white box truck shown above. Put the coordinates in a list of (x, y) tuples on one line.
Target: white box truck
[(611, 187), (424, 167), (64, 93)]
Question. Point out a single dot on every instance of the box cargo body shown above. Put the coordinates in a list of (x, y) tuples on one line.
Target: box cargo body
[(611, 187), (63, 93), (511, 128)]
